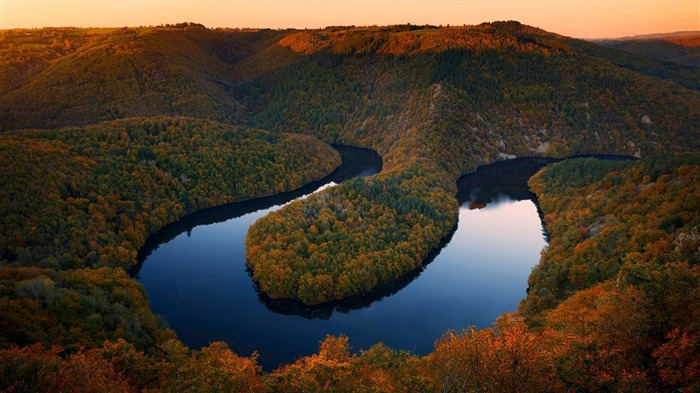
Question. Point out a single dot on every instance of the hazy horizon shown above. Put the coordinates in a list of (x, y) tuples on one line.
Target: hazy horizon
[(576, 18)]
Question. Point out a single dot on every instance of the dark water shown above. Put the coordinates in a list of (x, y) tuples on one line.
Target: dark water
[(194, 272)]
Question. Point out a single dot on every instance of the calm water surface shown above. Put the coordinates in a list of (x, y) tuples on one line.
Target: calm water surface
[(195, 275)]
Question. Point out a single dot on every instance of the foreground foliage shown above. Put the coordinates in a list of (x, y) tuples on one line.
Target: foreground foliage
[(118, 367), (73, 309), (625, 254)]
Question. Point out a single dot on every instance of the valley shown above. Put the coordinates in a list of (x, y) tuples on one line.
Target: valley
[(108, 136)]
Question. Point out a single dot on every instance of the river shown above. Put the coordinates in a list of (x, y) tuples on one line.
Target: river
[(195, 275)]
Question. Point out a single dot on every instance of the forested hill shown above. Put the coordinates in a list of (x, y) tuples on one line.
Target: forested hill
[(60, 77), (503, 87)]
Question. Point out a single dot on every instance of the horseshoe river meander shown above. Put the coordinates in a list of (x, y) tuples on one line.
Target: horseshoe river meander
[(195, 275)]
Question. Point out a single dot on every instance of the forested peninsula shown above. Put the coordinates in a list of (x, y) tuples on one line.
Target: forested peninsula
[(110, 134)]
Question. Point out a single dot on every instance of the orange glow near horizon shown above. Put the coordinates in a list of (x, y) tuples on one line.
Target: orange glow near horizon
[(575, 18)]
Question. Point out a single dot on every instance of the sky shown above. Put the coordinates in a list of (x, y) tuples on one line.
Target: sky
[(574, 18)]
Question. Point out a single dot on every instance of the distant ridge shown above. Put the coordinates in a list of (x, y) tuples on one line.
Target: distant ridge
[(677, 34), (681, 47), (59, 77)]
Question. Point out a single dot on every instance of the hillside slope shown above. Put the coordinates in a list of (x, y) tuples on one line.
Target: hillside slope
[(123, 73), (325, 81)]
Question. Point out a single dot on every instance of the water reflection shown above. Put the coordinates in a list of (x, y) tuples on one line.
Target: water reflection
[(504, 179), (325, 310), (490, 187), (197, 280)]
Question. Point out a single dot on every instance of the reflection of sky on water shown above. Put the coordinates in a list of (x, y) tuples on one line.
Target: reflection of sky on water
[(200, 286), (499, 235), (197, 281)]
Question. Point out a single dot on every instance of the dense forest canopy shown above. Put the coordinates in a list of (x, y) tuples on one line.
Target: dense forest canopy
[(109, 134), (76, 197)]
